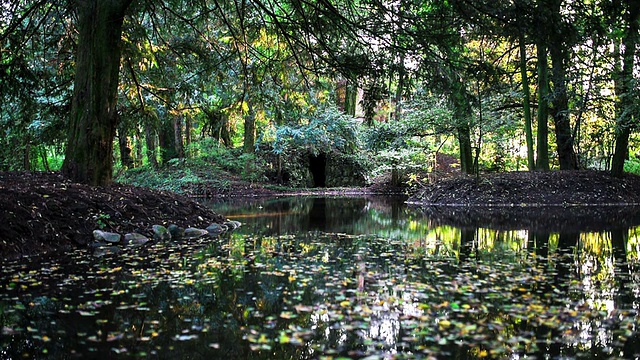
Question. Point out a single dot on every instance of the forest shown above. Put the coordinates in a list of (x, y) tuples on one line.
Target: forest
[(267, 90), (502, 136)]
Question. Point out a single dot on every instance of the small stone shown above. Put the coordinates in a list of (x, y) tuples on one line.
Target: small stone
[(176, 231), (109, 237), (135, 239), (215, 229), (232, 224), (194, 233), (160, 233)]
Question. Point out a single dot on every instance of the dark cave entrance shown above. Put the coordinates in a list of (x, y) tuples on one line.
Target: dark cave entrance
[(318, 166)]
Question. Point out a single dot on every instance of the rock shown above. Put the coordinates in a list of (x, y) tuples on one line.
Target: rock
[(105, 236), (215, 229), (135, 239), (193, 233), (160, 233), (232, 224), (176, 231)]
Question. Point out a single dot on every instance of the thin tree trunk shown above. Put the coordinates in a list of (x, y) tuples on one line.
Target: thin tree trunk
[(150, 138), (93, 120), (26, 155), (526, 104), (45, 160), (250, 131), (187, 136), (350, 99), (177, 132), (125, 149), (399, 90), (137, 161), (542, 150)]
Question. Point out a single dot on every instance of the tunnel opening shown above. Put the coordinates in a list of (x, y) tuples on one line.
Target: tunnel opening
[(318, 166)]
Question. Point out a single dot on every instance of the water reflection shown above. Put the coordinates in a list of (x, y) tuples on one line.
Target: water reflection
[(331, 277)]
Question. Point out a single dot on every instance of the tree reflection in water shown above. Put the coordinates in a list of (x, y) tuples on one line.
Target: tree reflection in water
[(351, 277)]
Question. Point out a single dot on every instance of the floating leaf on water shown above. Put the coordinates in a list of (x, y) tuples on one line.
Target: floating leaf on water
[(303, 308), (185, 337), (287, 315), (114, 337)]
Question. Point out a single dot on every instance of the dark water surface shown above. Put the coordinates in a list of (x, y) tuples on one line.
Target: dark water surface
[(311, 278)]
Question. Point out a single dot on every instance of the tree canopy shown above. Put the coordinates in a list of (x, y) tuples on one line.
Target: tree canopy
[(143, 80)]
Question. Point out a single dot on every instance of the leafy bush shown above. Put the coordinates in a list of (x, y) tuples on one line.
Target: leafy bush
[(327, 130), (404, 146), (632, 165)]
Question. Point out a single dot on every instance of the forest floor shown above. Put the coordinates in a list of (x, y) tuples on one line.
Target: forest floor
[(41, 212)]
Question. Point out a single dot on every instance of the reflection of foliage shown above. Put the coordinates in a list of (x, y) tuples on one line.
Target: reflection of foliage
[(315, 294)]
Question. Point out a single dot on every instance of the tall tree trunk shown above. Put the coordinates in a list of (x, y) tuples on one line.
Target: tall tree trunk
[(462, 114), (526, 104), (624, 86), (560, 99), (150, 138), (542, 150), (45, 160), (350, 99), (26, 154), (137, 160), (177, 134), (250, 130), (167, 140), (187, 136), (125, 148), (399, 90), (93, 120), (466, 153), (225, 131)]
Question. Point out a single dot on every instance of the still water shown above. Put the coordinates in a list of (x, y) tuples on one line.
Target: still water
[(310, 278)]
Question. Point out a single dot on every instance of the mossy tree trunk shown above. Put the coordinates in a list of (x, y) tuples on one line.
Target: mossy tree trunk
[(526, 104), (167, 140), (126, 158), (624, 87), (93, 119), (150, 138), (350, 99), (542, 150)]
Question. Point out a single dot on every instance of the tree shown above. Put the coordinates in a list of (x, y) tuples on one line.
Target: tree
[(625, 87), (542, 150), (93, 118), (559, 43)]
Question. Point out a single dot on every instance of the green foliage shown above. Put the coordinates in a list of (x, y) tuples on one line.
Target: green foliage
[(323, 131), (210, 151), (407, 146), (632, 165)]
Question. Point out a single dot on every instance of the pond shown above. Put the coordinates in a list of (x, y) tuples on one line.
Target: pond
[(341, 277)]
